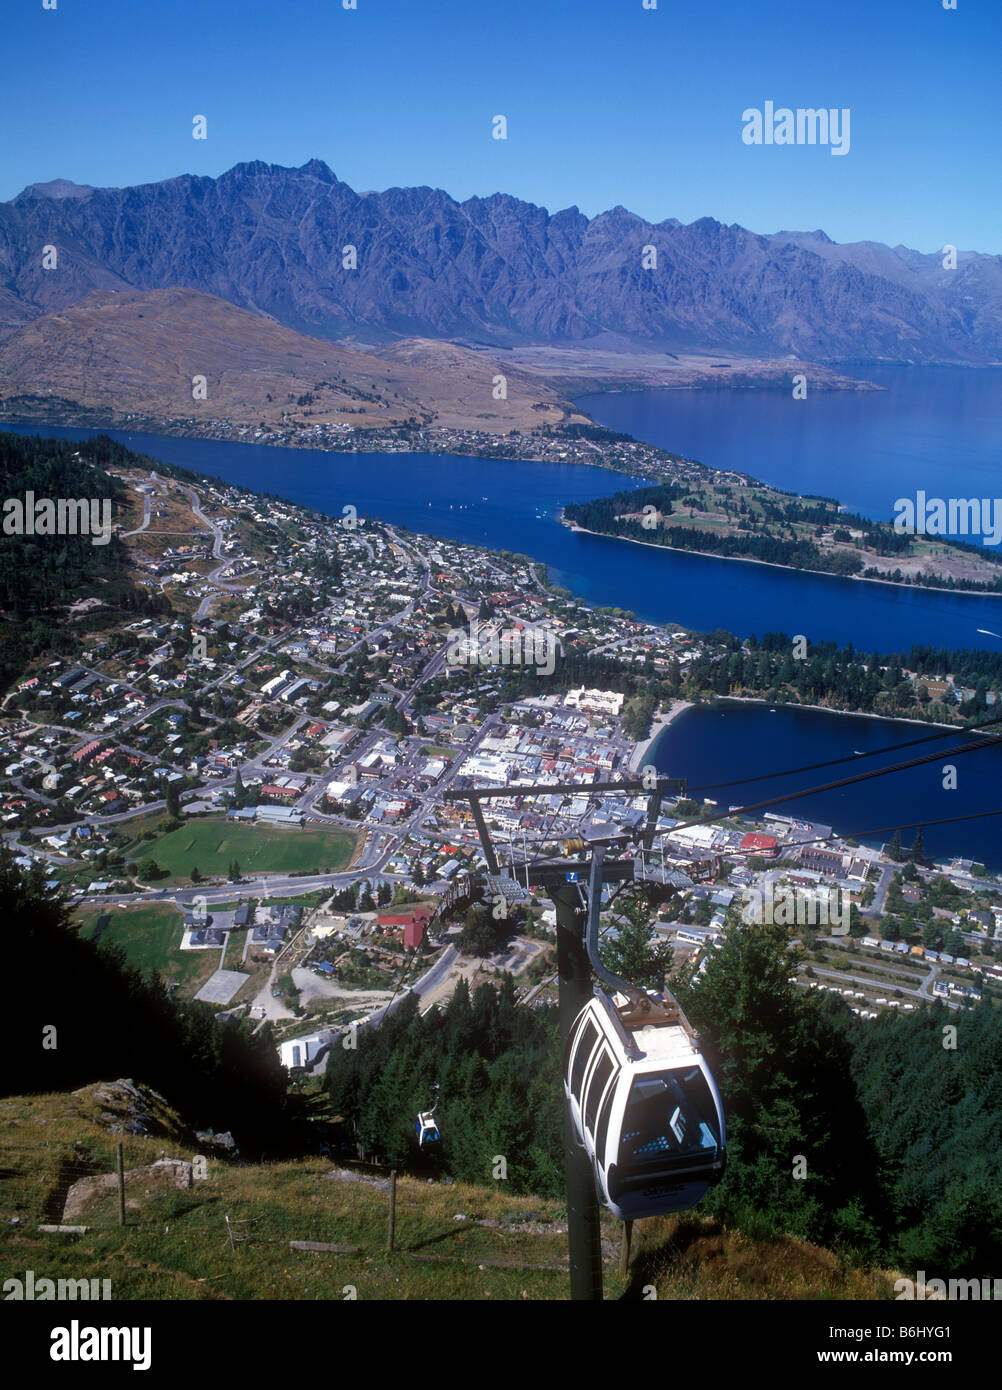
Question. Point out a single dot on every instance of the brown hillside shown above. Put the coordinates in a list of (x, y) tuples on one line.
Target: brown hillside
[(131, 353)]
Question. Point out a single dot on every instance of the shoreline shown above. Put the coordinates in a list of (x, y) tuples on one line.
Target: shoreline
[(659, 723), (379, 443), (793, 569), (873, 837), (471, 443), (820, 709)]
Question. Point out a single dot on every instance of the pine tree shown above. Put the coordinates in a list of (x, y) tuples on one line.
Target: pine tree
[(633, 955)]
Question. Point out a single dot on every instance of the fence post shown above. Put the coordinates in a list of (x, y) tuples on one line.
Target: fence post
[(624, 1253), (393, 1210), (120, 1166)]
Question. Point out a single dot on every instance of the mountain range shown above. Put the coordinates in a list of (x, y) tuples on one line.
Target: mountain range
[(491, 272)]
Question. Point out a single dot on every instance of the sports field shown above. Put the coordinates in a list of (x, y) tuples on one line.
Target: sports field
[(211, 846)]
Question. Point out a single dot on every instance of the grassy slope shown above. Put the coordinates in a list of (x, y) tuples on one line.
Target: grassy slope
[(175, 1244), (151, 939)]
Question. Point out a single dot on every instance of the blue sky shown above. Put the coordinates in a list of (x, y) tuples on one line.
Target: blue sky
[(607, 103)]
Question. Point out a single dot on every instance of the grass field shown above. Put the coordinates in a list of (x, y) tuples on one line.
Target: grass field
[(150, 936), (211, 846)]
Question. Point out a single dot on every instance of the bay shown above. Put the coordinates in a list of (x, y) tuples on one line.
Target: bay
[(729, 739), (938, 429)]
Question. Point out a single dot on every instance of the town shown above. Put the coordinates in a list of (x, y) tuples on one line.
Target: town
[(248, 794)]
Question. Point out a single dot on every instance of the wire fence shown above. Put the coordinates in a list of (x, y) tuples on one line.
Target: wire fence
[(89, 1184), (160, 1200)]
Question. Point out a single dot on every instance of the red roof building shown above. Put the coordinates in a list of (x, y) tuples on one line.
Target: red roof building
[(765, 845), (281, 793), (413, 923), (414, 934)]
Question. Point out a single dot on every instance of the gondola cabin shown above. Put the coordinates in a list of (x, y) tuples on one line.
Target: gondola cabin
[(428, 1136), (643, 1104)]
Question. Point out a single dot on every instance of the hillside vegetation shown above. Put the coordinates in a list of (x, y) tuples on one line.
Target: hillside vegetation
[(91, 1015), (882, 1144), (41, 575), (175, 1243)]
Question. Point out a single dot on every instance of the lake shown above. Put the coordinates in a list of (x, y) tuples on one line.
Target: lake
[(515, 506), (938, 429), (720, 742)]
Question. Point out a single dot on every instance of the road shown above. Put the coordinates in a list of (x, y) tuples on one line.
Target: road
[(203, 608), (428, 982), (147, 501), (876, 908), (426, 985), (923, 992)]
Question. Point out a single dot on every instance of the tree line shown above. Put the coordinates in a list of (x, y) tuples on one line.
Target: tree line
[(770, 537), (84, 1015), (41, 574), (497, 1068)]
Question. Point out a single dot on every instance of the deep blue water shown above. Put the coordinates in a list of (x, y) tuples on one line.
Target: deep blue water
[(514, 506), (938, 429), (717, 743)]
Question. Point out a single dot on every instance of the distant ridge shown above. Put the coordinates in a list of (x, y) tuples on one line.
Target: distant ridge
[(494, 270), (57, 188)]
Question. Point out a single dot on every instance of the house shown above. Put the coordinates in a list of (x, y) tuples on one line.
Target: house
[(268, 938)]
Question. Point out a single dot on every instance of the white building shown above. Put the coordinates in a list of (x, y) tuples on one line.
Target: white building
[(594, 701)]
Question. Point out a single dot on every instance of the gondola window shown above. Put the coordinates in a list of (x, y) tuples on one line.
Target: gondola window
[(668, 1115)]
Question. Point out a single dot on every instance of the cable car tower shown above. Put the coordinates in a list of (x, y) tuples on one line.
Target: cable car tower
[(643, 1123)]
